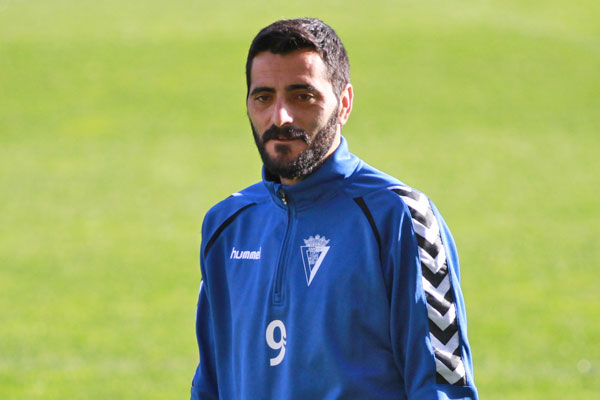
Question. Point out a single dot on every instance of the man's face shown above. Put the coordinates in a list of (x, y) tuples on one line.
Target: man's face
[(294, 112)]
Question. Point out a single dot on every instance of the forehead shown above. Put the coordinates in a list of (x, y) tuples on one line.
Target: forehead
[(298, 67)]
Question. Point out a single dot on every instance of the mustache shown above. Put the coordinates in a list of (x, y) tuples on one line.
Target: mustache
[(285, 132)]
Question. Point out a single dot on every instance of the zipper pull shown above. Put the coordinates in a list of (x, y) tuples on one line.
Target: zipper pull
[(282, 196)]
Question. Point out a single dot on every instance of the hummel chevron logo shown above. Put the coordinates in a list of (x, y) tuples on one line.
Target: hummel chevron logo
[(245, 254), (441, 307), (313, 253)]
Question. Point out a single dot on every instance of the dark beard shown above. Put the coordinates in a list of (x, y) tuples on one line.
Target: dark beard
[(308, 161)]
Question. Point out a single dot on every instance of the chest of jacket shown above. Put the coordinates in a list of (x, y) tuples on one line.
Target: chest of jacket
[(296, 258), (299, 280)]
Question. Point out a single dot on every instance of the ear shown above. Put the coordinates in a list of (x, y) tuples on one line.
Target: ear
[(346, 99)]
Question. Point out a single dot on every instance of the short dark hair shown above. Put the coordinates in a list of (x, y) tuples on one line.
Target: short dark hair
[(288, 35)]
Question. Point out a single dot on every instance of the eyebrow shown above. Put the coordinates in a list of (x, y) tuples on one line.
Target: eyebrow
[(263, 89), (301, 86)]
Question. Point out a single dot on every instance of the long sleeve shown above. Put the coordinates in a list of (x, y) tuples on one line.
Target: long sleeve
[(428, 323), (204, 384)]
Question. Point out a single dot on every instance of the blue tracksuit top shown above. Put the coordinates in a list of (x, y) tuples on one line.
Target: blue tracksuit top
[(343, 286)]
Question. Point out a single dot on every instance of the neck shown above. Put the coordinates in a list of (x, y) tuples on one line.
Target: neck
[(289, 182)]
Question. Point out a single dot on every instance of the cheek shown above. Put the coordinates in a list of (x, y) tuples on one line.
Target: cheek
[(255, 115), (322, 119), (258, 128)]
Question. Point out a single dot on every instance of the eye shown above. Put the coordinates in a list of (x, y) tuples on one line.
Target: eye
[(262, 98), (304, 97)]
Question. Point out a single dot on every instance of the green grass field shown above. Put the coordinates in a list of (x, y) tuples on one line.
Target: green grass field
[(121, 123)]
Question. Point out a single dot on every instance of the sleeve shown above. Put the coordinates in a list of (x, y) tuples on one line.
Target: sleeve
[(428, 323), (204, 384)]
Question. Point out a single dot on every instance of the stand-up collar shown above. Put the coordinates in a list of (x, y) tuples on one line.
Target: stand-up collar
[(319, 185)]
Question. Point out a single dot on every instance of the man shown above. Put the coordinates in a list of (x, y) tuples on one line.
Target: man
[(328, 279)]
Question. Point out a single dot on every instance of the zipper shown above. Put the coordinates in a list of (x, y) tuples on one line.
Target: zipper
[(277, 290), (282, 196)]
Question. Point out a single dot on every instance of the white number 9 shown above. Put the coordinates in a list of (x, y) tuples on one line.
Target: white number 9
[(280, 345)]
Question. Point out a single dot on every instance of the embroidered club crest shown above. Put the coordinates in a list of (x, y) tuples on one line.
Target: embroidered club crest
[(313, 253)]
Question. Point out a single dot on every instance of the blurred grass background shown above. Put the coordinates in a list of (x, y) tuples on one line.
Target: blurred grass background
[(122, 122)]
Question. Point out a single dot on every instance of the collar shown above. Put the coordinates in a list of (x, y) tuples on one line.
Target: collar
[(322, 184)]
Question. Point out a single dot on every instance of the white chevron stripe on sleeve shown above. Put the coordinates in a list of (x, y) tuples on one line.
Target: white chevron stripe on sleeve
[(421, 209), (437, 292), (442, 321), (446, 349), (430, 234), (434, 264), (451, 376), (421, 206)]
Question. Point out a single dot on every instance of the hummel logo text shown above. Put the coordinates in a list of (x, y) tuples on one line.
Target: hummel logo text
[(245, 254)]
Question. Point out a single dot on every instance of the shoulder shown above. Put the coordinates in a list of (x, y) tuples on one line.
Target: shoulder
[(385, 190), (392, 202), (233, 205)]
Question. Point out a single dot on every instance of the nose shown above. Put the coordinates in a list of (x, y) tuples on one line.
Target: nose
[(281, 114)]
